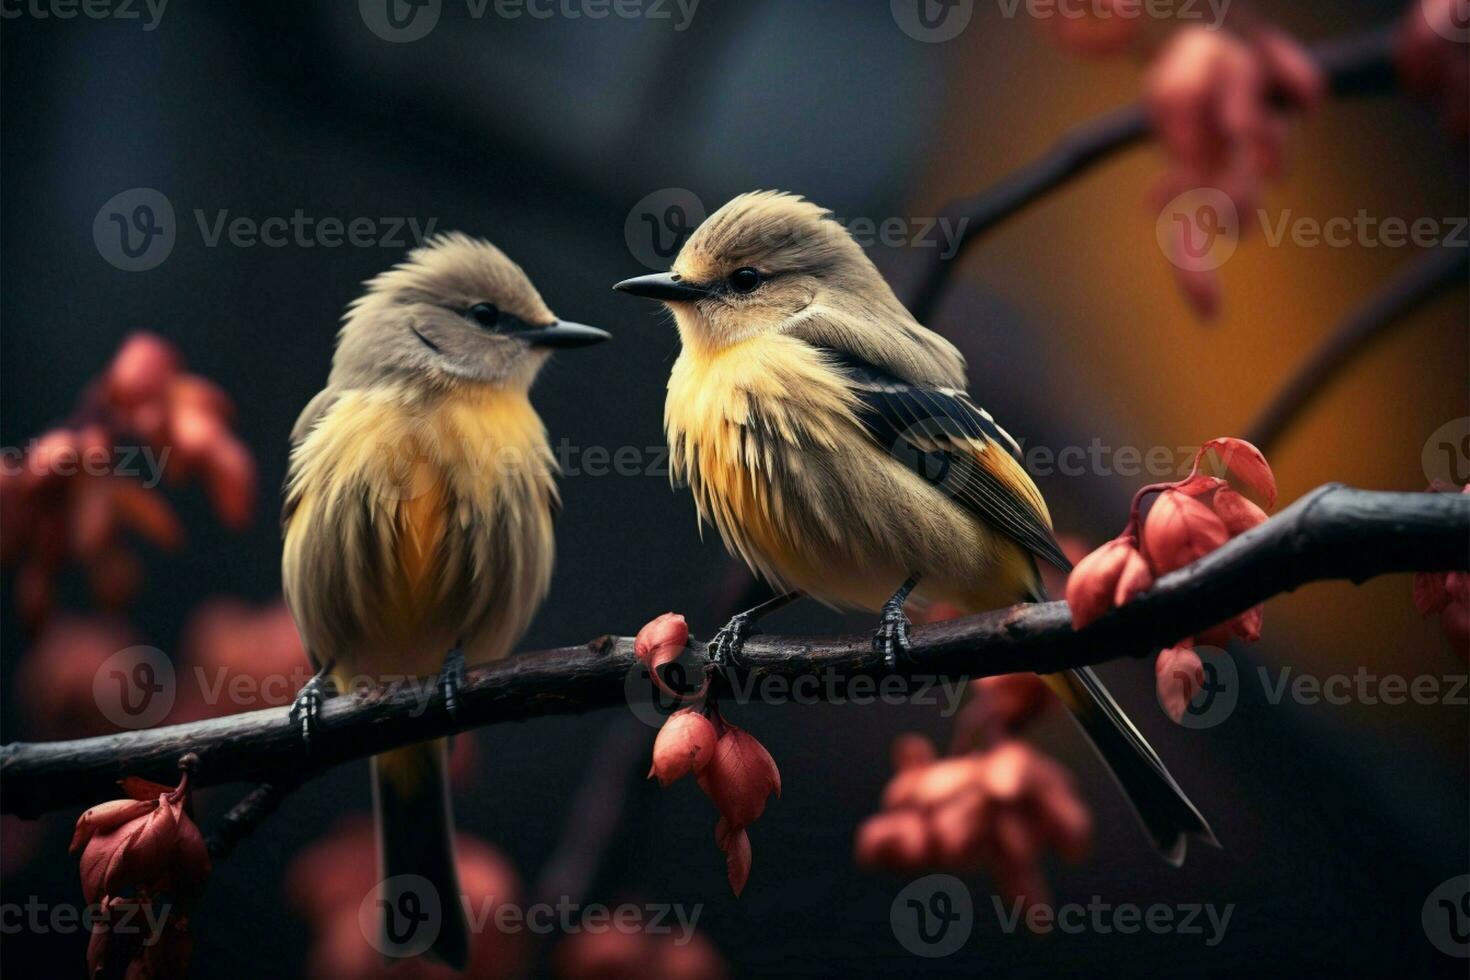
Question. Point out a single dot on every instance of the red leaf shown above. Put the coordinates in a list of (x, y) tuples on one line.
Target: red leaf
[(685, 744), (1178, 676), (1247, 464), (661, 642), (740, 776), (1247, 625), (1180, 530), (911, 750), (1092, 584), (107, 816), (1237, 513), (1134, 579), (736, 845)]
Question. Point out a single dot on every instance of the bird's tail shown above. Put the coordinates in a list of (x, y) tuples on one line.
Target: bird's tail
[(1159, 802), (416, 855)]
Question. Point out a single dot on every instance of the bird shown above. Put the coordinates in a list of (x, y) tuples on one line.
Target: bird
[(831, 440), (418, 524)]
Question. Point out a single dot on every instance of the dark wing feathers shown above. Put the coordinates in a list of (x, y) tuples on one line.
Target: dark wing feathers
[(944, 437)]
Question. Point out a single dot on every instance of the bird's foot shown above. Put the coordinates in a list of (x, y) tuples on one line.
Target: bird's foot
[(307, 705), (451, 680), (724, 649), (892, 636)]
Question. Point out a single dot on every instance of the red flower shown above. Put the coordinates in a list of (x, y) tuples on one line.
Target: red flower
[(57, 673), (1211, 95), (998, 708), (739, 777), (1179, 531), (996, 810), (660, 642), (143, 861), (1095, 585), (1178, 675), (685, 744), (146, 845)]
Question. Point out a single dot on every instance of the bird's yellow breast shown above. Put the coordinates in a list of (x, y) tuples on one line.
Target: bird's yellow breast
[(426, 516)]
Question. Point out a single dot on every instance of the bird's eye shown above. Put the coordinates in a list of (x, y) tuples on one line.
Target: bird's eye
[(745, 280), (485, 314)]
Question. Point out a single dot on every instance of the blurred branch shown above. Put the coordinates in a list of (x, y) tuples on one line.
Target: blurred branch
[(1359, 64), (1413, 286), (1332, 533)]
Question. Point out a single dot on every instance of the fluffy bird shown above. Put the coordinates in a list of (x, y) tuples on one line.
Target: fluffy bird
[(829, 437), (418, 522)]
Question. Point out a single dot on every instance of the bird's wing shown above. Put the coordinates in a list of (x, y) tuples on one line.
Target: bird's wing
[(956, 446)]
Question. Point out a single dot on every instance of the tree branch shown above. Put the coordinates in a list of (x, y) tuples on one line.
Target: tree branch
[(1332, 533), (1359, 64)]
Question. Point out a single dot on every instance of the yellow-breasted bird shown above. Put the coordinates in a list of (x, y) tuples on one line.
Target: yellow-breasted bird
[(829, 436), (418, 519)]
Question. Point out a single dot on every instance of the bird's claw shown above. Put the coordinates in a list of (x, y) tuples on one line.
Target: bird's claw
[(306, 709), (892, 636), (724, 649), (451, 679)]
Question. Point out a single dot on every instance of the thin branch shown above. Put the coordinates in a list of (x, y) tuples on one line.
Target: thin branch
[(1360, 64), (1333, 533), (1424, 278)]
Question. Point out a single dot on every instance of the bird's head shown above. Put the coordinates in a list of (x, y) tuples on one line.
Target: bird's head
[(457, 309), (755, 265)]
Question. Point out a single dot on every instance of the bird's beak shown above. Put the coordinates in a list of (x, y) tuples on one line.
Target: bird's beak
[(563, 334), (666, 286)]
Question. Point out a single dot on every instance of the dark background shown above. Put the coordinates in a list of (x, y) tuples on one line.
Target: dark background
[(543, 135)]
